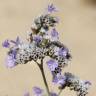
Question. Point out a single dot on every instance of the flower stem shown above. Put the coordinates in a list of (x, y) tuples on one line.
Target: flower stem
[(43, 75), (44, 78)]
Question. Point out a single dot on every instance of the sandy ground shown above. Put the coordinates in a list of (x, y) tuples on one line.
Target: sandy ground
[(77, 30)]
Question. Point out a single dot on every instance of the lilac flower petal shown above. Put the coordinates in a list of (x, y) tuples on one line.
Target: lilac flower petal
[(59, 79), (51, 8), (52, 64), (6, 44), (17, 42), (26, 94), (10, 61), (54, 34), (17, 39), (63, 52), (37, 91), (37, 38), (55, 80), (87, 82), (14, 54)]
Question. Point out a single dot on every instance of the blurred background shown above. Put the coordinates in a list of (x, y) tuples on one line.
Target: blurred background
[(77, 29)]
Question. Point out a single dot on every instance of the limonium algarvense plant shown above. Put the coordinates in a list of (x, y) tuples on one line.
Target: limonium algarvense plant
[(43, 42)]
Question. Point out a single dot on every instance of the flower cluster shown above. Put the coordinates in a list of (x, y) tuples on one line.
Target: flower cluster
[(74, 83), (43, 41), (40, 43)]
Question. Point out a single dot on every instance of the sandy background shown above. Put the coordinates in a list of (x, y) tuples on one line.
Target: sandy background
[(77, 30)]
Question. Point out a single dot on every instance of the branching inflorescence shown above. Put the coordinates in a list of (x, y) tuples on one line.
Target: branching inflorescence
[(43, 41)]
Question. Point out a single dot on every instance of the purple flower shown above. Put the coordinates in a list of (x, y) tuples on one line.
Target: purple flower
[(52, 64), (53, 94), (6, 44), (59, 79), (26, 94), (37, 91), (63, 51), (54, 35), (11, 58), (10, 61), (37, 38), (14, 54), (87, 82), (17, 42), (51, 8)]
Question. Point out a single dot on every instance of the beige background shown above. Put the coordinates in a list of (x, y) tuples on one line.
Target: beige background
[(77, 30)]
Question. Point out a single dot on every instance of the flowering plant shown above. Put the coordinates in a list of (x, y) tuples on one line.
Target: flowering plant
[(43, 42)]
